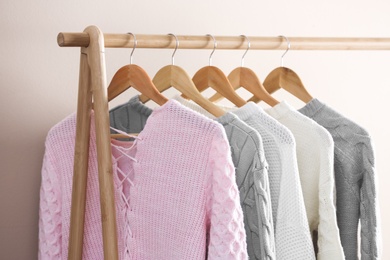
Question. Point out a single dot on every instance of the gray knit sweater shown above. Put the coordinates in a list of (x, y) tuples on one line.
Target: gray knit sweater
[(355, 178), (251, 172)]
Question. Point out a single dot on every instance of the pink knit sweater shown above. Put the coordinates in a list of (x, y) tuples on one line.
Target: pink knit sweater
[(175, 191)]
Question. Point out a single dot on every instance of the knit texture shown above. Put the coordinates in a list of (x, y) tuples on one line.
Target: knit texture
[(292, 235), (252, 180), (130, 117), (355, 176), (250, 168), (315, 150), (175, 194)]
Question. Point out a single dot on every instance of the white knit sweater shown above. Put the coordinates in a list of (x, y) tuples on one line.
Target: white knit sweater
[(315, 150), (292, 235)]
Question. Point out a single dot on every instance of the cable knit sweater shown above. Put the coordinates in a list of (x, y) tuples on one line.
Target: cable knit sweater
[(250, 167), (175, 191), (355, 177), (315, 150), (292, 235)]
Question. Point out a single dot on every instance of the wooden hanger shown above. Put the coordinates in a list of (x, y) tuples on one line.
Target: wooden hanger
[(287, 79), (246, 78), (211, 76), (132, 75), (176, 77)]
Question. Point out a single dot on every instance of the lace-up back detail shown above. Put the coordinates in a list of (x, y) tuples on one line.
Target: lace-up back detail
[(174, 187)]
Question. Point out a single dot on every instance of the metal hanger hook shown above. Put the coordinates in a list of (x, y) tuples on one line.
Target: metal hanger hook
[(215, 47), (134, 46), (288, 48), (177, 46), (247, 49)]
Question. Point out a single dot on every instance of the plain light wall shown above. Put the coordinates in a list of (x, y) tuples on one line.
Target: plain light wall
[(39, 80)]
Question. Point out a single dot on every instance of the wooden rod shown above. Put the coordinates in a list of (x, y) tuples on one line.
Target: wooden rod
[(66, 39)]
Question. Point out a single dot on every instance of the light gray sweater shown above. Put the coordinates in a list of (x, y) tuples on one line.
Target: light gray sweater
[(355, 178), (251, 172)]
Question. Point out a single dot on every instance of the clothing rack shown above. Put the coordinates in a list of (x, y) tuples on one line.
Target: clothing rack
[(93, 92)]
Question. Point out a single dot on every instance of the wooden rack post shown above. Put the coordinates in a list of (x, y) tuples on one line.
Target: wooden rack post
[(92, 86)]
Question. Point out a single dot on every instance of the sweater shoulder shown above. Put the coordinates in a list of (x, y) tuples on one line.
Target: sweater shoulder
[(238, 130), (323, 136), (338, 124), (280, 132), (62, 131)]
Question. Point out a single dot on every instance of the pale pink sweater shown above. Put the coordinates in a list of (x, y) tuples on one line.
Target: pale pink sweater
[(175, 191)]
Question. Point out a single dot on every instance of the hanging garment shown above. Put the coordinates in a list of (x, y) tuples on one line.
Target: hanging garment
[(130, 117), (292, 235), (176, 197), (355, 178), (315, 150), (252, 179), (250, 168)]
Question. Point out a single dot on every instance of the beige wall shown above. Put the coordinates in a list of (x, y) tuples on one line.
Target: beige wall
[(38, 79)]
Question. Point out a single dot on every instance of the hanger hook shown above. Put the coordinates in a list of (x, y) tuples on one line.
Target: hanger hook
[(288, 48), (177, 45), (135, 45), (247, 49), (215, 46)]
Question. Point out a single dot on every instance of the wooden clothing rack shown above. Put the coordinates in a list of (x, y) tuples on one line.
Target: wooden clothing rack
[(93, 89)]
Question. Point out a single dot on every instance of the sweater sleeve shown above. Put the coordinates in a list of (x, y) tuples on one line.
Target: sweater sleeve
[(226, 238), (369, 208), (264, 209), (329, 242), (292, 234), (49, 213)]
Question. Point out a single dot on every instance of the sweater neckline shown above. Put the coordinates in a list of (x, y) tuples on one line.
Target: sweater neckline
[(280, 110), (247, 111), (139, 107), (150, 113), (312, 107), (193, 106), (225, 119)]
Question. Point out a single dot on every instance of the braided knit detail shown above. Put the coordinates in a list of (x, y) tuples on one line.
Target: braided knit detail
[(227, 233), (50, 221)]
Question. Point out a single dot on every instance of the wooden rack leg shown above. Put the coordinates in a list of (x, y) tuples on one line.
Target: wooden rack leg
[(80, 170), (97, 66), (92, 85)]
